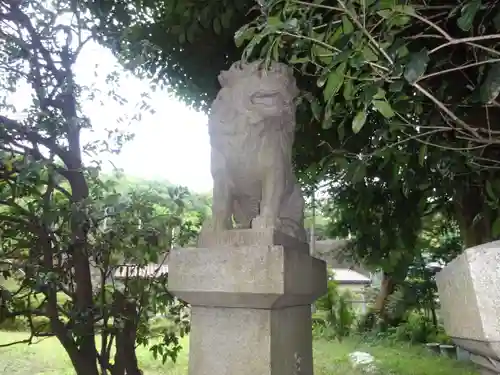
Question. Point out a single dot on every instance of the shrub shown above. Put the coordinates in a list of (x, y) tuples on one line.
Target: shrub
[(336, 310), (41, 324), (416, 329), (13, 325), (160, 325)]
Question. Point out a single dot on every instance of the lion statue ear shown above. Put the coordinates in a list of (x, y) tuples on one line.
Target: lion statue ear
[(224, 78)]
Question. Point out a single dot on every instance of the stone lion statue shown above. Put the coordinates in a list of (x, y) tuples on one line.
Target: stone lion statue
[(252, 127)]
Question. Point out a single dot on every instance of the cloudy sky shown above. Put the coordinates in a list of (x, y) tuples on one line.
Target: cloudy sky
[(171, 144)]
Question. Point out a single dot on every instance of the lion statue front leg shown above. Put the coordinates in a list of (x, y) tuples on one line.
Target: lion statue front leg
[(222, 207), (273, 189)]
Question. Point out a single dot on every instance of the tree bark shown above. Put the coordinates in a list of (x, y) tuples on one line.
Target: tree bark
[(473, 215), (387, 286), (125, 357)]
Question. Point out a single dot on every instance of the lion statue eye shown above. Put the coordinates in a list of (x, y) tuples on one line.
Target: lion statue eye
[(267, 99)]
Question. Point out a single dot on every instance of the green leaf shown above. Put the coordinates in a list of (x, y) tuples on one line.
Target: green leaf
[(205, 17), (369, 91), (192, 31), (226, 18), (369, 55), (341, 162), (182, 37), (274, 22), (495, 228), (490, 89), (385, 13), (217, 26), (490, 191), (422, 154), (380, 94), (243, 34), (399, 20), (291, 25), (322, 53), (298, 60), (327, 119), (341, 131), (326, 123), (347, 26), (496, 21), (359, 121), (384, 108), (416, 66), (251, 45), (396, 86), (348, 90), (359, 173), (406, 9), (402, 17), (316, 108), (335, 36), (334, 82), (469, 12), (403, 51)]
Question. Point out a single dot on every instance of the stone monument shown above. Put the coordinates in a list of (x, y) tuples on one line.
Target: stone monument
[(251, 280), (469, 292)]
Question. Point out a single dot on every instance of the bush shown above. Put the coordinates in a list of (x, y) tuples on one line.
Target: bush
[(337, 313), (161, 325), (416, 329), (13, 325), (41, 324)]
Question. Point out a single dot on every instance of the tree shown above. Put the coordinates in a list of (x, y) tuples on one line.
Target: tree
[(67, 229), (376, 73), (384, 75), (162, 45)]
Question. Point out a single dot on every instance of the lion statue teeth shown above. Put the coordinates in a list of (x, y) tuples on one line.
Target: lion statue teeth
[(252, 127)]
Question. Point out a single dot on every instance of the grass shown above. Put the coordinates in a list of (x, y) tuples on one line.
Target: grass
[(48, 358)]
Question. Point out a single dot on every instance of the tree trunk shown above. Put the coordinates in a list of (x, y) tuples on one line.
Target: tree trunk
[(125, 357), (387, 286), (473, 215), (85, 367)]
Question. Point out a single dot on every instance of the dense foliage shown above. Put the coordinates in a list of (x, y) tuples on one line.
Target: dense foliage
[(396, 117), (404, 92), (81, 254)]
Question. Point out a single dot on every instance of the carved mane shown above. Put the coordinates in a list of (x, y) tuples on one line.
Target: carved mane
[(234, 115)]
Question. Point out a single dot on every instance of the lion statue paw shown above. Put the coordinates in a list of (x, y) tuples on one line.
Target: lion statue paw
[(265, 222)]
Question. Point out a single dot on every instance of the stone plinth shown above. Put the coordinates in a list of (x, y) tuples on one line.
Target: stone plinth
[(469, 292), (250, 293)]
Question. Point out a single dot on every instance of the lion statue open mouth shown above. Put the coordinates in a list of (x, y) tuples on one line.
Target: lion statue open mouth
[(252, 127)]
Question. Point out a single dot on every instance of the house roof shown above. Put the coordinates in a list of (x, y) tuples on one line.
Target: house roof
[(347, 276)]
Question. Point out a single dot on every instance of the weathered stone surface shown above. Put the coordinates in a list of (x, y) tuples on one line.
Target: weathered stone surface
[(228, 341), (257, 275), (251, 285), (250, 297), (243, 237), (469, 292), (252, 127)]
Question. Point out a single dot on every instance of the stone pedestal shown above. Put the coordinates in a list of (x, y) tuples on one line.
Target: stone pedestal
[(250, 293), (469, 292)]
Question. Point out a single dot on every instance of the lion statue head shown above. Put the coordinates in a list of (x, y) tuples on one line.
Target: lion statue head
[(258, 94)]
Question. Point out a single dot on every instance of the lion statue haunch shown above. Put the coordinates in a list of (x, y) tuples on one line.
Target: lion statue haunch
[(252, 127)]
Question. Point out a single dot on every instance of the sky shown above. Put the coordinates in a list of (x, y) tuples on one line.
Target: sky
[(171, 144)]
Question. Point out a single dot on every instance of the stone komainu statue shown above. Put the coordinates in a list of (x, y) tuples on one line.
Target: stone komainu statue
[(252, 127)]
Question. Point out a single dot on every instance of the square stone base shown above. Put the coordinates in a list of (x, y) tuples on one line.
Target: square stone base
[(469, 292), (250, 294), (241, 341)]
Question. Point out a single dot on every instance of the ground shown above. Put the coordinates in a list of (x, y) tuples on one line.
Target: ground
[(48, 358)]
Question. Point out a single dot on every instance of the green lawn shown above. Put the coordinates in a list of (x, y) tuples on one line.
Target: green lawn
[(48, 358)]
